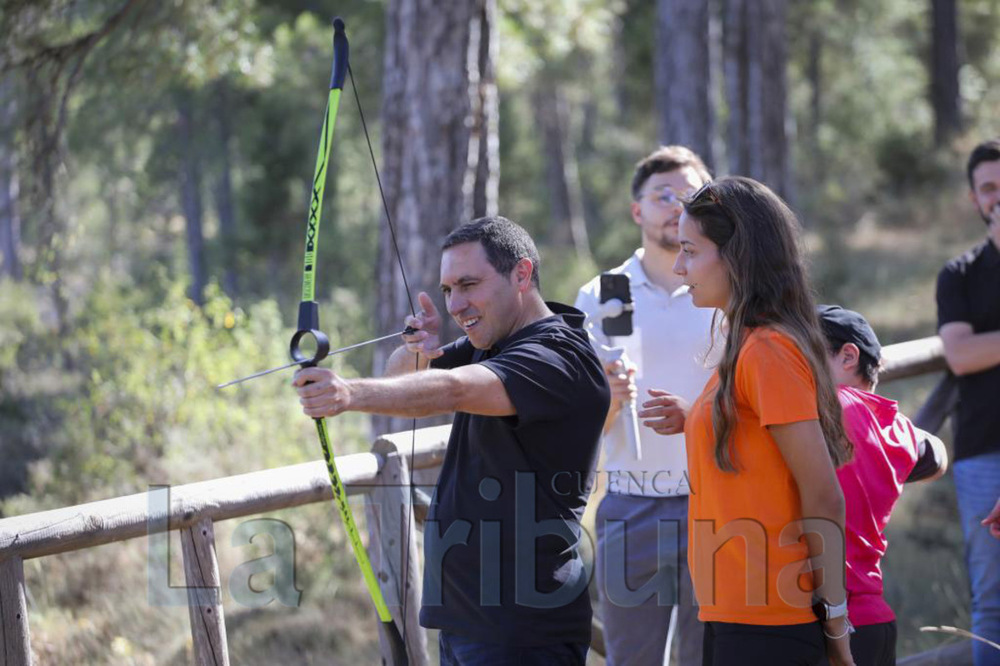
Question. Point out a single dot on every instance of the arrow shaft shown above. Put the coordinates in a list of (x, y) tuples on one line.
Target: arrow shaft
[(295, 363)]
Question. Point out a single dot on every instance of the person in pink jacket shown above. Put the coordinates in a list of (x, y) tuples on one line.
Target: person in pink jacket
[(888, 452)]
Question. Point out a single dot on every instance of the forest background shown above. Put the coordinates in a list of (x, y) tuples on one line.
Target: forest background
[(155, 159)]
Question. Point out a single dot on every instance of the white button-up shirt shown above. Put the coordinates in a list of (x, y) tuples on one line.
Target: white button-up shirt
[(669, 345)]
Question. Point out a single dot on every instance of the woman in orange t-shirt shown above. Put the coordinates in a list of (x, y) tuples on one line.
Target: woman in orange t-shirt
[(763, 440)]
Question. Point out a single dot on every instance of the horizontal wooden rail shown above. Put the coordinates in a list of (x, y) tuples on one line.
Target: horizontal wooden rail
[(107, 521), (916, 357)]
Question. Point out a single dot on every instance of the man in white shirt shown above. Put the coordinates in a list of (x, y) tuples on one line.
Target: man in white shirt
[(642, 575)]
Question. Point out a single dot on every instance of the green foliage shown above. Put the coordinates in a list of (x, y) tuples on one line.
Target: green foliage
[(19, 322), (136, 403), (907, 162), (20, 439)]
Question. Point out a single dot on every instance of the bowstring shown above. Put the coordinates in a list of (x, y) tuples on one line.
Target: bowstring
[(413, 312)]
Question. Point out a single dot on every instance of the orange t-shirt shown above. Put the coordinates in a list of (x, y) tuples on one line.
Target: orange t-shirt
[(744, 569)]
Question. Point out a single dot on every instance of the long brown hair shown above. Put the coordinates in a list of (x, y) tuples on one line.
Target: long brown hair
[(757, 236)]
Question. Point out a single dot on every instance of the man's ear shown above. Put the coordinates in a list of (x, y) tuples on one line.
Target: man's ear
[(850, 356), (523, 271), (636, 210)]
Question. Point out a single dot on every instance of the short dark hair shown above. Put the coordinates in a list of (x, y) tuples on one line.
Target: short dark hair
[(868, 367), (505, 242), (987, 151), (664, 159)]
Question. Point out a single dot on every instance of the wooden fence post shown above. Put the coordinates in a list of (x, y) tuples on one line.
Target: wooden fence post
[(939, 404), (15, 644), (201, 572), (392, 530)]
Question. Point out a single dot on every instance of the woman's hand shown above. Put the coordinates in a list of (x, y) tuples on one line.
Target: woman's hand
[(992, 521), (666, 412), (838, 650)]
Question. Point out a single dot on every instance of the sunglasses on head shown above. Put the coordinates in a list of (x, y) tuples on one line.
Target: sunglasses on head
[(704, 192)]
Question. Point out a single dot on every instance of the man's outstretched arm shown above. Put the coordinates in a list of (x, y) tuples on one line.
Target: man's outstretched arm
[(473, 389)]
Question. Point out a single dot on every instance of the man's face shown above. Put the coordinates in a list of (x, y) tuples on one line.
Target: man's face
[(658, 209), (986, 189), (484, 303)]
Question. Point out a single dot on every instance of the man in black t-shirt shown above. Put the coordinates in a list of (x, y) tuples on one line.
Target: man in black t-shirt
[(503, 578), (968, 299)]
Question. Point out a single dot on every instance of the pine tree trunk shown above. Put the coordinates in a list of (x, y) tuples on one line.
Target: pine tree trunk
[(683, 75), (944, 70), (562, 174), (815, 76), (224, 190), (439, 144), (483, 176), (47, 146), (190, 181), (774, 97), (756, 91), (735, 66), (10, 214)]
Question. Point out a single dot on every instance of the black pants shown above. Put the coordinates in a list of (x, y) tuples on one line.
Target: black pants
[(729, 644), (874, 645)]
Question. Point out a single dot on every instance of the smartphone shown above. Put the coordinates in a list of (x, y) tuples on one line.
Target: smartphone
[(616, 285)]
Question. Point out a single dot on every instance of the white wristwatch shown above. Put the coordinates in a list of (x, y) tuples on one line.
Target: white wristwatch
[(826, 611)]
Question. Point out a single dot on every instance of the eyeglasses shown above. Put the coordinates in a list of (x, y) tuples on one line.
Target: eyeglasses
[(667, 197)]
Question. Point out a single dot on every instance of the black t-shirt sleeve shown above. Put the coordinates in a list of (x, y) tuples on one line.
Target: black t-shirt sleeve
[(456, 354), (952, 301), (549, 378)]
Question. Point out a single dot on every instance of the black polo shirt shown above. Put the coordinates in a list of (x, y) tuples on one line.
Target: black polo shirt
[(968, 289), (502, 536)]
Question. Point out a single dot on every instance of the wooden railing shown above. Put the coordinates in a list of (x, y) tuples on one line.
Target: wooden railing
[(382, 476)]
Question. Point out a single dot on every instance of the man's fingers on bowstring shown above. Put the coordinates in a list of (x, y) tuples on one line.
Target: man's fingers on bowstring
[(412, 322), (414, 340), (422, 343), (427, 305)]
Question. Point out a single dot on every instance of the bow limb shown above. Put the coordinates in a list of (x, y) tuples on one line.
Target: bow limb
[(308, 325)]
